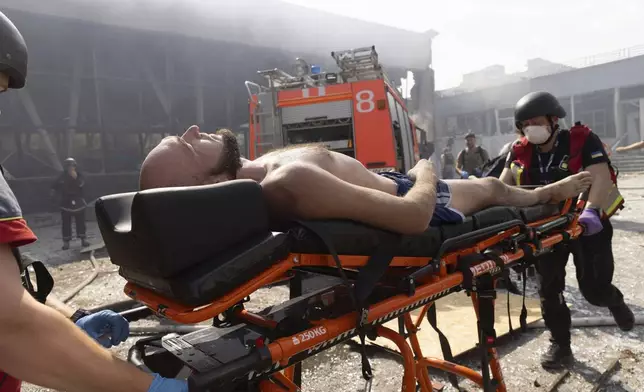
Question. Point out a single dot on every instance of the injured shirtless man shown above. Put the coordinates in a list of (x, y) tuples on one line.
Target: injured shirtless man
[(310, 182)]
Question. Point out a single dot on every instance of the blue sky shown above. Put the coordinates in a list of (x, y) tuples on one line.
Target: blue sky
[(476, 33)]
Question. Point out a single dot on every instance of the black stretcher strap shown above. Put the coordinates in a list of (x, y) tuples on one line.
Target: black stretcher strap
[(367, 279), (508, 283), (487, 334), (445, 346), (44, 280), (528, 256)]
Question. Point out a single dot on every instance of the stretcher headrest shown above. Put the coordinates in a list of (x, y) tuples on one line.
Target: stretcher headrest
[(161, 232)]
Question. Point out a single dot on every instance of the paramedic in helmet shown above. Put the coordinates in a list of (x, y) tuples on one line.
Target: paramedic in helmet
[(544, 154), (37, 343)]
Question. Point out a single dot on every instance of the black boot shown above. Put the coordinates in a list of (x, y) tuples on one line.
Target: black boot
[(623, 316), (84, 243), (557, 356), (65, 245)]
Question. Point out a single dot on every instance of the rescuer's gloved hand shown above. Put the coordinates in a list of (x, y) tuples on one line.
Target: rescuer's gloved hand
[(591, 222), (160, 384), (106, 327), (464, 174)]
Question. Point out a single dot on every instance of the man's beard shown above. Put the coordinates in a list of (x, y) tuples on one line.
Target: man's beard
[(230, 161)]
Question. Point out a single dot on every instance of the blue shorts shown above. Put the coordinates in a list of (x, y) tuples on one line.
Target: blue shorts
[(443, 212)]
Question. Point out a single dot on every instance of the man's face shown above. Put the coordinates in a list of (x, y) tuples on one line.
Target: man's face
[(538, 130), (471, 142), (538, 121), (217, 154), (195, 158)]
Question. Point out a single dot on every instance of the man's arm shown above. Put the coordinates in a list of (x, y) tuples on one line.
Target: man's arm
[(484, 155), (506, 175), (634, 146), (309, 192), (459, 163), (41, 346), (595, 161)]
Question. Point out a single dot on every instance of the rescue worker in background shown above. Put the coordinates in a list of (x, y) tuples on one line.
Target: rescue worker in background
[(37, 343), (543, 155), (447, 161), (471, 158), (69, 189)]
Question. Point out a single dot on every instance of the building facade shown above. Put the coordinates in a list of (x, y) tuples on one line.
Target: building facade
[(608, 97)]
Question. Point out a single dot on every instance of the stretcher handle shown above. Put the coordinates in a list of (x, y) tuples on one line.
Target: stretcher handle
[(485, 232), (453, 242), (258, 360)]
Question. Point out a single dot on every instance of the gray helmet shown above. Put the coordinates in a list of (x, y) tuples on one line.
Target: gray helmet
[(69, 162), (537, 104), (13, 53)]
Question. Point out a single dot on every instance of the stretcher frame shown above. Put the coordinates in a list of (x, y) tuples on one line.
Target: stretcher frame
[(434, 279)]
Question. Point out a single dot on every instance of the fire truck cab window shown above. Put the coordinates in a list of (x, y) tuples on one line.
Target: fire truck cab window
[(397, 129), (408, 139), (402, 134)]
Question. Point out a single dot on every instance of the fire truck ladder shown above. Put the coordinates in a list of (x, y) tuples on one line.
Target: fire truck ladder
[(359, 64), (268, 133)]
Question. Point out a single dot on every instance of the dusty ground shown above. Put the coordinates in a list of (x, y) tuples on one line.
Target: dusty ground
[(338, 369)]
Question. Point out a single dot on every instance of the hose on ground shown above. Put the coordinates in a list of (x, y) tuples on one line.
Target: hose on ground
[(86, 282)]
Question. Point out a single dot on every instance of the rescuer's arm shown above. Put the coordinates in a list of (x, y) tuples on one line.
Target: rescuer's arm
[(41, 346), (506, 175), (459, 163), (308, 192), (634, 146), (595, 161)]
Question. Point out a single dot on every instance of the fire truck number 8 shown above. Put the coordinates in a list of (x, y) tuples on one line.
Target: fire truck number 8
[(364, 101)]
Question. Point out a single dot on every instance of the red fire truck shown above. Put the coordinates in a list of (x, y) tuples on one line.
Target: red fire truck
[(355, 111)]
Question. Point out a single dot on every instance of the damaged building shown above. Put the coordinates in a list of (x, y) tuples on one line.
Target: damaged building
[(108, 79)]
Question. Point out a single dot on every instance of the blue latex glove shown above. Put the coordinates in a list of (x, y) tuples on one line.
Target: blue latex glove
[(591, 222), (160, 384), (464, 174), (106, 327)]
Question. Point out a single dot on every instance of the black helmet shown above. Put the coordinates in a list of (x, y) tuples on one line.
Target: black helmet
[(537, 104), (13, 53), (69, 162)]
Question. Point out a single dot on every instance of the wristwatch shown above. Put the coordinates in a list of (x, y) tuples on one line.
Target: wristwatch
[(79, 314)]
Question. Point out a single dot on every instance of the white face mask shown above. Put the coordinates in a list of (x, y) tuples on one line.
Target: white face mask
[(537, 134)]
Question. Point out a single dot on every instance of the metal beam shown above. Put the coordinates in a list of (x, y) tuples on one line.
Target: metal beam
[(74, 103), (156, 87), (99, 113), (32, 112)]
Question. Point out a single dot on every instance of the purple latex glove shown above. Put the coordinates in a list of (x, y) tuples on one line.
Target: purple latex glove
[(591, 222)]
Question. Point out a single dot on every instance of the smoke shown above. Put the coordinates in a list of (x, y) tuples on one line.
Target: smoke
[(424, 120), (265, 23)]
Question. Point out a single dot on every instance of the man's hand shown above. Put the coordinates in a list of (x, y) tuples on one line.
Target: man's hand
[(106, 327), (423, 172)]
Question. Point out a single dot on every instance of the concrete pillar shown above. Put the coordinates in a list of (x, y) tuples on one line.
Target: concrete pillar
[(641, 118), (497, 123), (617, 111), (573, 115)]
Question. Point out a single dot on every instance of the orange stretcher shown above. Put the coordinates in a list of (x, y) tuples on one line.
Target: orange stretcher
[(197, 253)]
